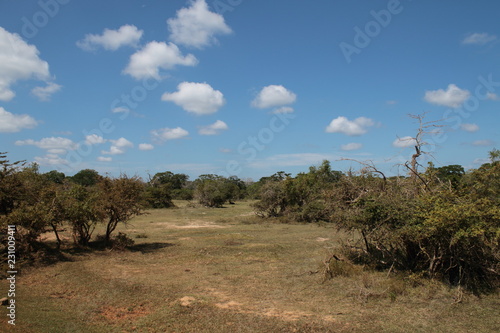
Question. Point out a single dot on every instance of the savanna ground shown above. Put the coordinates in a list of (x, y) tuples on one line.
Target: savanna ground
[(225, 270)]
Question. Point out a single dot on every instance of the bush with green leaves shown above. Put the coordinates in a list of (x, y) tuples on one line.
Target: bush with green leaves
[(301, 198), (214, 191), (448, 232)]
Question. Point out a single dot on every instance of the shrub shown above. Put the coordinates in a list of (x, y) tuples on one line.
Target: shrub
[(121, 241)]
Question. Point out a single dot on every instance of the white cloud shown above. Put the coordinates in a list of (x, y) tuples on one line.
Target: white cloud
[(94, 139), (214, 128), (18, 61), (104, 159), (126, 35), (118, 147), (469, 127), (225, 150), (351, 146), (198, 98), (452, 97), (165, 134), (482, 143), (147, 62), (197, 26), (478, 38), (391, 102), (272, 96), (50, 160), (146, 146), (53, 145), (404, 142), (492, 96), (10, 123), (283, 109), (44, 93), (352, 128)]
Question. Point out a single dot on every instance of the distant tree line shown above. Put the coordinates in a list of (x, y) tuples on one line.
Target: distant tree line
[(39, 202)]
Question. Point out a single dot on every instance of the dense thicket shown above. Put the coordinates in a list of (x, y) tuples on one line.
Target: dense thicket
[(444, 223)]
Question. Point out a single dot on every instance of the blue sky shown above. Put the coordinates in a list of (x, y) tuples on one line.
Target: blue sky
[(246, 88)]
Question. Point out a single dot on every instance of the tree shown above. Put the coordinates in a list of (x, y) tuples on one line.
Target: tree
[(83, 210), (165, 186), (86, 177), (158, 196), (494, 155), (55, 176), (213, 190), (272, 201), (32, 208), (10, 184), (451, 174), (424, 129), (301, 198), (121, 200), (175, 180)]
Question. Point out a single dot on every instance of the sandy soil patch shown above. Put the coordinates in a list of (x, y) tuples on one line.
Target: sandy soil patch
[(226, 302), (117, 314)]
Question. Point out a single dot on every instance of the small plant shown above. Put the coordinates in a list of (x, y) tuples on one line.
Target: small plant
[(122, 241)]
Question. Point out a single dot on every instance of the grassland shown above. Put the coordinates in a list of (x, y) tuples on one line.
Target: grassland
[(225, 270)]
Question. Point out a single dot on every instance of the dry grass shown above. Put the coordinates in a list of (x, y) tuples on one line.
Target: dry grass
[(223, 270)]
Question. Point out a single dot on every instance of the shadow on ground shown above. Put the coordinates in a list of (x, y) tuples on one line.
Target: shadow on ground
[(149, 247)]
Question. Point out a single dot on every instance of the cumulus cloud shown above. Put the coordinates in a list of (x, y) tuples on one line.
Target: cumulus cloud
[(273, 96), (94, 139), (50, 160), (197, 26), (355, 127), (198, 98), (104, 159), (44, 93), (19, 61), (452, 97), (469, 127), (126, 35), (11, 123), (351, 146), (118, 147), (165, 134), (147, 62), (214, 128), (146, 146), (53, 145), (478, 38), (404, 142)]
